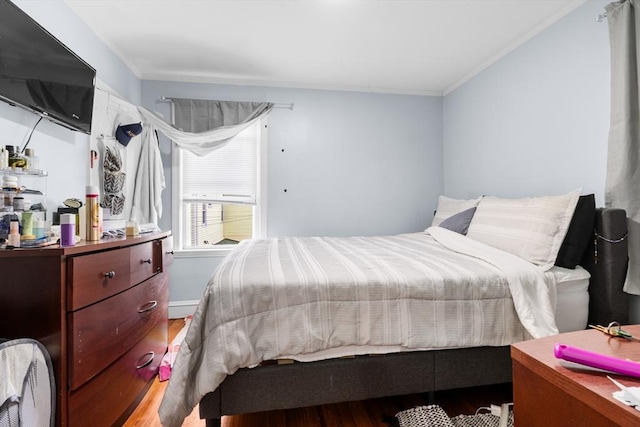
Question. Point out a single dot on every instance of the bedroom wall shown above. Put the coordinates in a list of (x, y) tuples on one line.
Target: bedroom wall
[(354, 164), (537, 121), (64, 153)]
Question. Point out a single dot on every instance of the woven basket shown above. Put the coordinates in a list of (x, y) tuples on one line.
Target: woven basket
[(434, 416)]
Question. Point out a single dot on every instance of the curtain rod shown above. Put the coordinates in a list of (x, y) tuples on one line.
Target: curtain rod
[(277, 105)]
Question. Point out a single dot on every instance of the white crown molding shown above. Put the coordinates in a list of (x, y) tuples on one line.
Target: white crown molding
[(265, 83), (519, 42)]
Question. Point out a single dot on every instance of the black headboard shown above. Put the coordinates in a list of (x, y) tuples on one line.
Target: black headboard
[(606, 260)]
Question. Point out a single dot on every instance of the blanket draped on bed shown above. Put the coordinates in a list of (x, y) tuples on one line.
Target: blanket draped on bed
[(279, 297)]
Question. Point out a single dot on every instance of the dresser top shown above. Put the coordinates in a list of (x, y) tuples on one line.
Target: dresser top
[(593, 386), (84, 246)]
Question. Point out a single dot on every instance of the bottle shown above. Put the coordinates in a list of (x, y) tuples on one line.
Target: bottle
[(67, 229), (4, 158), (93, 213), (33, 163), (14, 234), (17, 160), (27, 225)]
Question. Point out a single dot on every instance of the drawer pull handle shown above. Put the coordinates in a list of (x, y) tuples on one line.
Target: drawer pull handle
[(146, 261), (150, 355), (151, 305), (110, 274)]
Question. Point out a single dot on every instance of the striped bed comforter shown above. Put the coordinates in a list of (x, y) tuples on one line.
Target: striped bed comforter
[(282, 297)]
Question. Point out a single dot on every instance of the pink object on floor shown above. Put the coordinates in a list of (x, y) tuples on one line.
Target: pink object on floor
[(164, 373)]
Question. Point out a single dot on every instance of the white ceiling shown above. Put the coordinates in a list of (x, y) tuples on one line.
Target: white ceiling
[(426, 47)]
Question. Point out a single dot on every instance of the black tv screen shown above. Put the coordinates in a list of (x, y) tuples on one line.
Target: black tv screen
[(41, 74)]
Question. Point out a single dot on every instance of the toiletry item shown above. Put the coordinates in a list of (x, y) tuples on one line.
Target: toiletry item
[(27, 224), (17, 160), (10, 183), (9, 149), (4, 158), (67, 229), (82, 227), (93, 213), (132, 228), (18, 203), (33, 163), (13, 239), (38, 228), (8, 201)]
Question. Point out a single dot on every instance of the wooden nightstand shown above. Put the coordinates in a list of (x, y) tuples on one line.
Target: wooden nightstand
[(545, 393)]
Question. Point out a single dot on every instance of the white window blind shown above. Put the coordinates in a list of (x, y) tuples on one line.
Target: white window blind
[(228, 174)]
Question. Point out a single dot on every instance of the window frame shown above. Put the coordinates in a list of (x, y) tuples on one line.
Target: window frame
[(260, 208)]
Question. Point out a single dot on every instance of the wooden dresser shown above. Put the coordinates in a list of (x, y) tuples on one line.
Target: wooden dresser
[(547, 392), (100, 309)]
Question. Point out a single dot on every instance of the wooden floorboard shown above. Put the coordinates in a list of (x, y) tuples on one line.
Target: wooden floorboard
[(368, 413)]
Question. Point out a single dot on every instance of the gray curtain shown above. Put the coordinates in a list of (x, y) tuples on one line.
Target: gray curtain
[(210, 124), (622, 187)]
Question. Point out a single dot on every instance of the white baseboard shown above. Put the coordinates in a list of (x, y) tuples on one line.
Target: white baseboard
[(182, 309)]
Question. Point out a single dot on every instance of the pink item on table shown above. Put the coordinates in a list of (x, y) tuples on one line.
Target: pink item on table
[(597, 360)]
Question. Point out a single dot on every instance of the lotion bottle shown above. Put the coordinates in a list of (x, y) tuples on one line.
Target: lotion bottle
[(93, 214), (4, 158)]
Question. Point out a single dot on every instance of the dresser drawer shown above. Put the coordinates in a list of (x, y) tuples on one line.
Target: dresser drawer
[(145, 261), (101, 333), (104, 399), (167, 252), (97, 276)]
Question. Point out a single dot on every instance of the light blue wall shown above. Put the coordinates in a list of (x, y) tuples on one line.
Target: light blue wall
[(64, 153), (353, 164), (537, 121)]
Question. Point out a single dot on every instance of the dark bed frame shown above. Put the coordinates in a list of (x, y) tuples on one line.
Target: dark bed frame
[(299, 385)]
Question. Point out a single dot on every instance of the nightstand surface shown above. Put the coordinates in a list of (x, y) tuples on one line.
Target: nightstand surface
[(547, 392)]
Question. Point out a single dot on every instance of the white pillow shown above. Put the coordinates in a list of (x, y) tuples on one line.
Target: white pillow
[(532, 228), (448, 207)]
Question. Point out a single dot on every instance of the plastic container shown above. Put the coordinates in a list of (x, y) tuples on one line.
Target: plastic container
[(38, 228), (67, 229), (33, 163), (18, 203), (93, 214), (132, 228)]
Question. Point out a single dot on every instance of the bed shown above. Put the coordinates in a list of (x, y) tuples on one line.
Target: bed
[(446, 336)]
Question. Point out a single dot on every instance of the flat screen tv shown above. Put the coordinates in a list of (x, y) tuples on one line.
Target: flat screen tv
[(39, 73)]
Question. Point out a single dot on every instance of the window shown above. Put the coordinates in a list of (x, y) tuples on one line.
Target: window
[(219, 198)]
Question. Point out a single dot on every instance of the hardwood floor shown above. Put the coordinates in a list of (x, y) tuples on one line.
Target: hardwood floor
[(368, 413)]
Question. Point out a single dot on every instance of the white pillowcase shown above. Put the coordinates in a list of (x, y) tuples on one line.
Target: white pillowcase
[(448, 207), (532, 228)]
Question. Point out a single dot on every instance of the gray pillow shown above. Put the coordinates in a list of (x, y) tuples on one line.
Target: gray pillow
[(459, 222)]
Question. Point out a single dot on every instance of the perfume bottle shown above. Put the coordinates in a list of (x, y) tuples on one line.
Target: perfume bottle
[(17, 160)]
